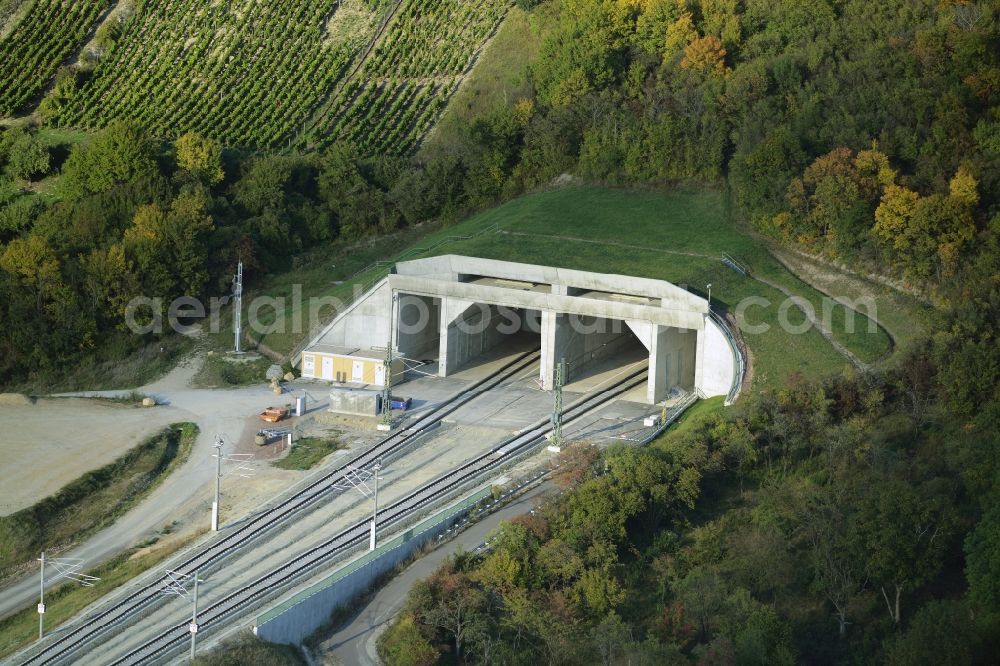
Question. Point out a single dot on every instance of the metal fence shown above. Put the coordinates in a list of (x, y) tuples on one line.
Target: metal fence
[(739, 363)]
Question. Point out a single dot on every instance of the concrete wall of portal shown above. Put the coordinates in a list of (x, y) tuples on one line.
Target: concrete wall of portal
[(364, 324), (718, 364), (471, 332), (679, 347), (673, 357), (704, 350)]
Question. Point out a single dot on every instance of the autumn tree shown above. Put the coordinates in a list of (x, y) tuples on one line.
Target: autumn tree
[(32, 264), (455, 604), (706, 55), (109, 278), (927, 235), (575, 463), (169, 245)]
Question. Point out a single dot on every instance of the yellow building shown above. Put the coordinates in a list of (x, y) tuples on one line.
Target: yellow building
[(346, 364)]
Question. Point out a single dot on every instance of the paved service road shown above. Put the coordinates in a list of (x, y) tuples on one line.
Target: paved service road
[(354, 643)]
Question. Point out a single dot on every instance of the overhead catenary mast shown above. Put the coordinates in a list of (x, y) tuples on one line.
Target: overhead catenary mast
[(555, 440), (387, 380), (238, 307)]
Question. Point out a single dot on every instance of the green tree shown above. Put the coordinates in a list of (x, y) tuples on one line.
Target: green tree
[(904, 531), (982, 560), (403, 644), (200, 156), (120, 154), (942, 633), (169, 246), (28, 158)]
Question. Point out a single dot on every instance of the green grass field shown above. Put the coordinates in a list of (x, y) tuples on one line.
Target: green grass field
[(676, 236), (308, 452)]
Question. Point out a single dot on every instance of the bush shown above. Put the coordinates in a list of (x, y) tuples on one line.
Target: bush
[(402, 644)]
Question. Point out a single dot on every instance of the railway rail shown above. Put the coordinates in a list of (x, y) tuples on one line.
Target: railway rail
[(282, 576), (94, 625)]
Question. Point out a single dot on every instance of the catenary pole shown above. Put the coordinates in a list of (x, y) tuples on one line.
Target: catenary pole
[(41, 599), (218, 484), (194, 616), (373, 541)]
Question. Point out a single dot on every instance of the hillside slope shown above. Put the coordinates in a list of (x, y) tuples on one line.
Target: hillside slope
[(252, 74)]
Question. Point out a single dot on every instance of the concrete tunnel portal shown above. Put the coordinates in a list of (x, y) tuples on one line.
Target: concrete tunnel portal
[(454, 310)]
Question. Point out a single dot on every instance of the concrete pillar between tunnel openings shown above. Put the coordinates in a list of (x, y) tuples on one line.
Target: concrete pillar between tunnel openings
[(451, 309), (555, 334)]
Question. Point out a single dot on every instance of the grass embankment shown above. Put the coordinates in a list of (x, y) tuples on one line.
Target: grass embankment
[(66, 601), (675, 236), (678, 237), (222, 371), (308, 452), (248, 649), (695, 414), (94, 500)]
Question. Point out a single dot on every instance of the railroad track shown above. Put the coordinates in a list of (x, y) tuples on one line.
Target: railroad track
[(93, 626), (308, 562)]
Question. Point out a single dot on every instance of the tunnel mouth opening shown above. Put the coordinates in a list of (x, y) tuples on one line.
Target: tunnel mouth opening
[(483, 333), (598, 351), (418, 328)]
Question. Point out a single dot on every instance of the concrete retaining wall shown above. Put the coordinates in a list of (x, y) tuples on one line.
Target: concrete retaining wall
[(364, 324), (297, 617), (719, 367), (581, 340), (474, 332), (679, 346)]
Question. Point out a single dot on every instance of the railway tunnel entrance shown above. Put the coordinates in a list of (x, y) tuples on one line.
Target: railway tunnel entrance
[(598, 349), (463, 311), (471, 332)]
